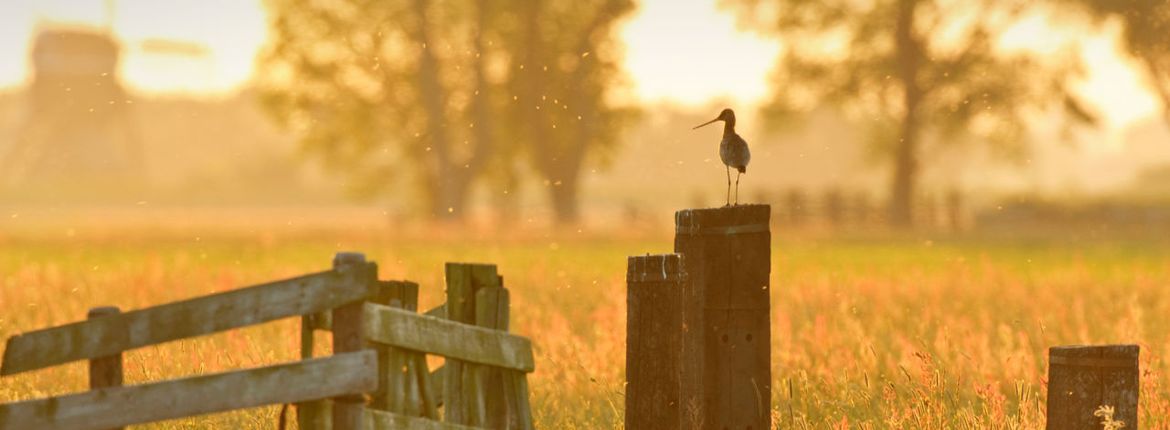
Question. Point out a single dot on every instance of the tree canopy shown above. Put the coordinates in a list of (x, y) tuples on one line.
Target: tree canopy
[(918, 72), (1145, 36), (443, 93)]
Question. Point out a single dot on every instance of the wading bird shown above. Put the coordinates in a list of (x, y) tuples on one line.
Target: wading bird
[(733, 150)]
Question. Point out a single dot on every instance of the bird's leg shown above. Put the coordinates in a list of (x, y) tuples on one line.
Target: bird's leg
[(728, 186), (737, 187)]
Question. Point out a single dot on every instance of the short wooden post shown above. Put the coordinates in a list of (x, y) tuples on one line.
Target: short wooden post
[(726, 373), (311, 415), (654, 333), (460, 384), (1082, 379), (348, 334), (491, 312), (395, 387), (105, 372)]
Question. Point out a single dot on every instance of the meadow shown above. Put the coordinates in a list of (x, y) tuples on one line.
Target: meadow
[(868, 332)]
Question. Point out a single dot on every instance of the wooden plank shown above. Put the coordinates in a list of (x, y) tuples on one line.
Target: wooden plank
[(1084, 378), (311, 415), (349, 333), (459, 308), (438, 312), (382, 420), (105, 372), (112, 407), (654, 331), (195, 317), (727, 257), (387, 397), (447, 338), (516, 384), (491, 311)]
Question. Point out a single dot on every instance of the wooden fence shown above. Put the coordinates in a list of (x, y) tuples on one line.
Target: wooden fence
[(698, 337), (376, 378)]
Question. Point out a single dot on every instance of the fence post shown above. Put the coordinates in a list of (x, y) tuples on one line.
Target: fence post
[(654, 333), (396, 390), (1083, 378), (348, 336), (460, 385), (725, 364), (105, 372)]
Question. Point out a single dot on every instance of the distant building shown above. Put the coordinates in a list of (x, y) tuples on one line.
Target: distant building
[(77, 128)]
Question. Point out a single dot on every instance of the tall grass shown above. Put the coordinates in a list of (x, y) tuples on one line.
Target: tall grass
[(866, 334)]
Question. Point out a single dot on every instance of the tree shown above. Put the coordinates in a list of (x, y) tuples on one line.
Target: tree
[(1145, 26), (442, 91), (567, 61), (380, 92), (919, 71)]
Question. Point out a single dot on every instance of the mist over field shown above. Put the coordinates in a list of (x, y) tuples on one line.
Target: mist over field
[(954, 186)]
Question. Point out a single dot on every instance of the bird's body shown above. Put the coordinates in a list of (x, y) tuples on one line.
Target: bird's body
[(733, 151)]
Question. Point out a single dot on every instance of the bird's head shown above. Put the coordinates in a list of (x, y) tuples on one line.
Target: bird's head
[(727, 115)]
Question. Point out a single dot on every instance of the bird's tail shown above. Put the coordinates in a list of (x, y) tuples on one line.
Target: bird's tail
[(742, 169)]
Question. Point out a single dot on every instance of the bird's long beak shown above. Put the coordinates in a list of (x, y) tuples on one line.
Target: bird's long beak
[(705, 123)]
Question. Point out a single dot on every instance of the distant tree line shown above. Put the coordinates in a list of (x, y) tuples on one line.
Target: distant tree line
[(449, 94)]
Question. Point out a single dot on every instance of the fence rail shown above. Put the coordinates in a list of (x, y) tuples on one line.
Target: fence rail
[(379, 348)]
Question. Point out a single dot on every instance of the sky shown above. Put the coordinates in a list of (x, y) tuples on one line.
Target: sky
[(678, 51)]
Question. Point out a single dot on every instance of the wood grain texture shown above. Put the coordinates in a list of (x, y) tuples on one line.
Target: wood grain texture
[(1083, 378), (450, 339), (725, 373), (200, 316), (654, 341), (382, 420), (349, 332), (341, 374)]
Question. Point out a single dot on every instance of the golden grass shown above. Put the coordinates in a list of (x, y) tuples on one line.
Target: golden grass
[(867, 334)]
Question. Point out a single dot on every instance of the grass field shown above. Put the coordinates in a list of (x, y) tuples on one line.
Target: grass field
[(867, 333)]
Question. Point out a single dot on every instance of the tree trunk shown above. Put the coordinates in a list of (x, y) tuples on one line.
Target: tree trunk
[(906, 151), (449, 181), (565, 197)]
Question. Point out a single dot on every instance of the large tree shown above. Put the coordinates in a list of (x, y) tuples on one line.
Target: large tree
[(568, 59), (441, 92), (921, 72), (1145, 35)]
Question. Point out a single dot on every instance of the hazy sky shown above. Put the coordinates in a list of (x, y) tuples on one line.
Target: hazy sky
[(683, 51)]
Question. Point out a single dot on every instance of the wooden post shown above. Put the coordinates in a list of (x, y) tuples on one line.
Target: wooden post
[(460, 386), (348, 336), (726, 374), (395, 388), (105, 372), (1081, 379), (654, 333)]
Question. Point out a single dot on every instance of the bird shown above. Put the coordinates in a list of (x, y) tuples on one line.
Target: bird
[(733, 150)]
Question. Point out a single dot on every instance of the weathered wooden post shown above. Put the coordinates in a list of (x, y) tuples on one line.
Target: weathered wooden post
[(654, 333), (726, 373), (397, 390), (461, 402), (105, 372), (348, 334), (1082, 379)]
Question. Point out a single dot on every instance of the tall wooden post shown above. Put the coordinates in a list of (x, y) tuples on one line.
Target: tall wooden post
[(1081, 379), (654, 332), (726, 373), (348, 336), (105, 372), (397, 391), (460, 383)]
